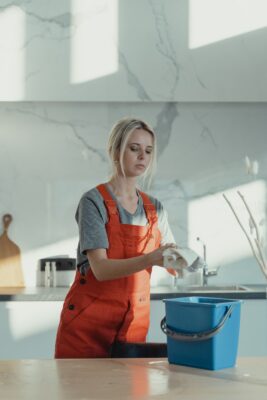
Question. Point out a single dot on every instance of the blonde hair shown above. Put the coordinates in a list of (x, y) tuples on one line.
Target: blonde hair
[(118, 138)]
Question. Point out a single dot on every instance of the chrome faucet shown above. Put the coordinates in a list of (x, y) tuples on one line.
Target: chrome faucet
[(206, 271)]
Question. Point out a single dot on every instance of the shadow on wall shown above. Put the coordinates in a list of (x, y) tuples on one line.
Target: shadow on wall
[(98, 66)]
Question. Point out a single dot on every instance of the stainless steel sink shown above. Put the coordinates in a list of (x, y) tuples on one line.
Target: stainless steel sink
[(215, 288)]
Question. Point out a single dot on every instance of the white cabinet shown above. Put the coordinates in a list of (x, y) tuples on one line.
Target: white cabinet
[(253, 326), (28, 328)]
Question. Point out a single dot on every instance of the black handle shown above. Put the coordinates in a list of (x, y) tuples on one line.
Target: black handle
[(198, 336)]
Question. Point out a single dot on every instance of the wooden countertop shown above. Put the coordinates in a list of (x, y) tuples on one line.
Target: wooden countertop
[(130, 379)]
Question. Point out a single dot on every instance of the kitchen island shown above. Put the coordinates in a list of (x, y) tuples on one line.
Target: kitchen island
[(136, 378)]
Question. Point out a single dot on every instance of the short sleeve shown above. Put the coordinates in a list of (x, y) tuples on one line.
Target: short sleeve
[(92, 231), (163, 224)]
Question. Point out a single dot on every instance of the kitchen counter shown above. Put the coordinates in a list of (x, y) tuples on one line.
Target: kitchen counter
[(245, 292), (157, 293), (130, 379)]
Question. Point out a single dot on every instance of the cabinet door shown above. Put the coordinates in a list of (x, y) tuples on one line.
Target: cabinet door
[(253, 328), (157, 312), (28, 329)]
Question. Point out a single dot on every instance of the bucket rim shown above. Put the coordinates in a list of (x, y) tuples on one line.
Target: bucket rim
[(206, 301)]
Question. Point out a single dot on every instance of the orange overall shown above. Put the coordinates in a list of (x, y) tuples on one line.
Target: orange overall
[(97, 313)]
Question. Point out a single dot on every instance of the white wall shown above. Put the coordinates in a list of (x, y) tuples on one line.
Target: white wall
[(70, 69), (143, 50)]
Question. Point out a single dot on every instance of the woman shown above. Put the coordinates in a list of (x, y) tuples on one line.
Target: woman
[(122, 233)]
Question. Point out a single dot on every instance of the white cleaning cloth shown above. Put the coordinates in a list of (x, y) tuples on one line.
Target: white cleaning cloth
[(181, 258)]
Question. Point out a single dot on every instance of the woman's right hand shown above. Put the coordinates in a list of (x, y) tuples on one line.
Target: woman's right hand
[(156, 256)]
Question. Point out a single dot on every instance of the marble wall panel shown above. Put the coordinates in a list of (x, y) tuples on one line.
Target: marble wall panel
[(137, 51), (51, 153)]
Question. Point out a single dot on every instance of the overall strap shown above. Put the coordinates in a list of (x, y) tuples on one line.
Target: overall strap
[(150, 209), (110, 203)]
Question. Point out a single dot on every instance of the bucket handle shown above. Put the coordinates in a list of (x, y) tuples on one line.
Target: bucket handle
[(196, 336)]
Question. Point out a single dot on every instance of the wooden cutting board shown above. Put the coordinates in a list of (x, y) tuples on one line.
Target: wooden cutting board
[(11, 274)]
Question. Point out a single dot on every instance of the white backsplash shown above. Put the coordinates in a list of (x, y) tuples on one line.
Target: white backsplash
[(51, 153)]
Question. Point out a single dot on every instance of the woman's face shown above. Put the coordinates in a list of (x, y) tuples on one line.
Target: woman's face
[(138, 153)]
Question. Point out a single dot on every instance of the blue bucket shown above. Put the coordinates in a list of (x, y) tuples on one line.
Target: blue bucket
[(202, 332)]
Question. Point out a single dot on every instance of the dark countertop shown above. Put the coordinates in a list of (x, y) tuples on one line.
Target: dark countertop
[(246, 292)]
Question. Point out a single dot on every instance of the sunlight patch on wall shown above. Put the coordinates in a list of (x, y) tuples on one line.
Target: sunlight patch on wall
[(12, 53), (211, 21), (94, 51), (66, 247), (211, 219)]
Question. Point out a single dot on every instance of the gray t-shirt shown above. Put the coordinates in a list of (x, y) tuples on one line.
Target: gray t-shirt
[(91, 216)]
